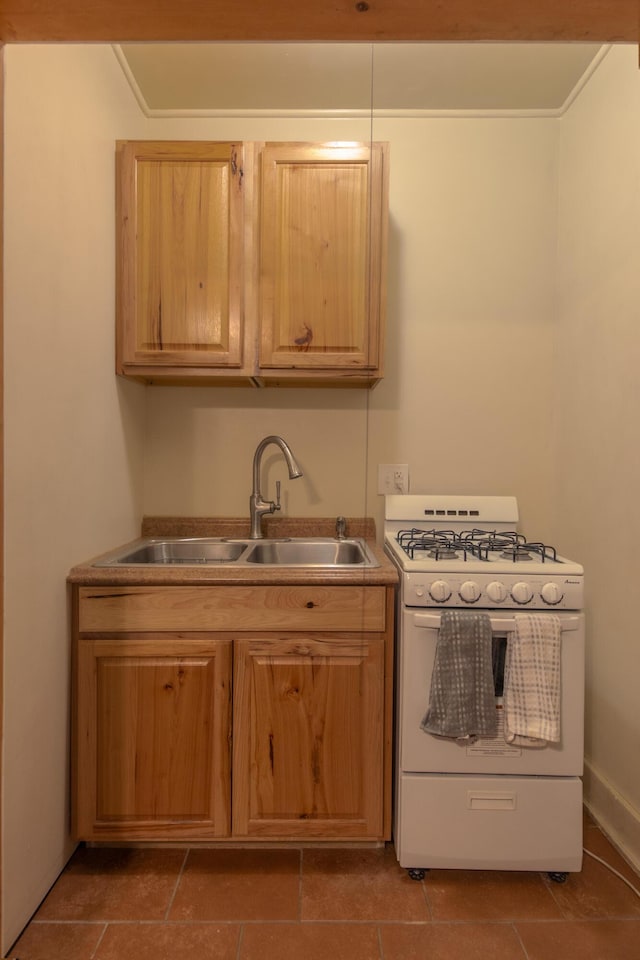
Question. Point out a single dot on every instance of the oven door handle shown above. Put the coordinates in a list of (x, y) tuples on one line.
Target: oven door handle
[(498, 624)]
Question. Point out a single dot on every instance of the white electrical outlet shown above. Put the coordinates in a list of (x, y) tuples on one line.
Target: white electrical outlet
[(393, 478)]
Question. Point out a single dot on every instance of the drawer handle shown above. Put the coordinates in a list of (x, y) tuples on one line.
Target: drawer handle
[(310, 604), (488, 800)]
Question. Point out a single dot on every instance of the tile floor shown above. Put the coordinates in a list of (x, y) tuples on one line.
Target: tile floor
[(320, 904)]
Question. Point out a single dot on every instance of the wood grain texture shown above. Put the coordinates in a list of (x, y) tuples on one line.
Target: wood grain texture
[(238, 608), (206, 253), (180, 223), (308, 737), (152, 729), (312, 712), (322, 257), (461, 20)]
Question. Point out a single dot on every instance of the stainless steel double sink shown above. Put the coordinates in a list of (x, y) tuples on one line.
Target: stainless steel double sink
[(195, 551)]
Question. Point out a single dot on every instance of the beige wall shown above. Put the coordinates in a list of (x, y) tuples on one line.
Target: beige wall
[(73, 435), (468, 400), (598, 411)]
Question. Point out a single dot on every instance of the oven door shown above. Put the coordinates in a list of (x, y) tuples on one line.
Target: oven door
[(421, 752)]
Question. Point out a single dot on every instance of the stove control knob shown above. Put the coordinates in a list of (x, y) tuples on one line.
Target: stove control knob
[(440, 591), (551, 593), (521, 592), (496, 591), (469, 591)]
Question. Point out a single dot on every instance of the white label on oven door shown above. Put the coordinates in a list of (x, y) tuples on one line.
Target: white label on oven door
[(495, 746)]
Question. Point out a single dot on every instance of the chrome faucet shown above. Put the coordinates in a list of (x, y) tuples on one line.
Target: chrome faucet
[(257, 505)]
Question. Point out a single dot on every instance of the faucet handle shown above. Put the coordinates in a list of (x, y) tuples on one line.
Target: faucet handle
[(277, 503)]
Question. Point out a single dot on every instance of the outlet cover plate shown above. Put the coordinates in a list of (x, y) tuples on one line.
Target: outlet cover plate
[(393, 478)]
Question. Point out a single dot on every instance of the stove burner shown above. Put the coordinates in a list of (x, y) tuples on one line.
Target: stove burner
[(516, 554), (444, 553), (477, 543), (437, 544), (511, 545)]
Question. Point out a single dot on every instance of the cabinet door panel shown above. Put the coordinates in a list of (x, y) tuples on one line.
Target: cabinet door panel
[(152, 734), (323, 243), (308, 729), (180, 271)]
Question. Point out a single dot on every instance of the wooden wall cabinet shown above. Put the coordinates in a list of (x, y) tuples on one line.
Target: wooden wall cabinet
[(260, 263), (162, 747), (323, 243), (180, 236)]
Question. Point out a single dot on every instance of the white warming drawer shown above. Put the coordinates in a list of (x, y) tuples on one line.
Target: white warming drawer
[(489, 823)]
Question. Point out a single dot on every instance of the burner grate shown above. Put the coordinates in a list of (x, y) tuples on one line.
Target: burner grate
[(515, 547), (437, 544), (478, 543)]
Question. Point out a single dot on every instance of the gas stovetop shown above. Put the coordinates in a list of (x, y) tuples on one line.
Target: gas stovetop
[(489, 546), (461, 551)]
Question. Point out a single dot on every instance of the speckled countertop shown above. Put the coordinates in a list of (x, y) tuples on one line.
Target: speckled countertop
[(238, 527)]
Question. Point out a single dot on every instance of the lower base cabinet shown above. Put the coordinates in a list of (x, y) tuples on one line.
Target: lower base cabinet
[(307, 739), (152, 737), (246, 734)]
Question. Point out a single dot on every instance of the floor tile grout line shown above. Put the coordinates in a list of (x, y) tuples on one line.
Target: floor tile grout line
[(177, 884), (551, 886), (240, 938), (475, 921), (54, 922), (100, 939), (425, 893), (516, 933)]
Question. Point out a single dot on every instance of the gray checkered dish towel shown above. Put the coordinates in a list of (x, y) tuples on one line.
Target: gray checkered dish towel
[(462, 697), (532, 681)]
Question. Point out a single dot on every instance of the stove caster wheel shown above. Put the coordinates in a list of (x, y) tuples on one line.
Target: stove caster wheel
[(416, 873), (557, 877)]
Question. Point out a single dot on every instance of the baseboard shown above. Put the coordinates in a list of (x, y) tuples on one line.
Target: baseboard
[(615, 815)]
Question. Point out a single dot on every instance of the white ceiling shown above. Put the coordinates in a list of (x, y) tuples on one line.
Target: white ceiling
[(243, 77)]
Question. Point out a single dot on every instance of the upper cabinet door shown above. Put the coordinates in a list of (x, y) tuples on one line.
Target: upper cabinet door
[(323, 240), (180, 260)]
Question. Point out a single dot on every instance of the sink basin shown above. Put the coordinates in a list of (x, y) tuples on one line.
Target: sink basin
[(191, 551), (309, 553)]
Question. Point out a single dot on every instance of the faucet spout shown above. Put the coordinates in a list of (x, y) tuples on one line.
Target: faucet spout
[(257, 505)]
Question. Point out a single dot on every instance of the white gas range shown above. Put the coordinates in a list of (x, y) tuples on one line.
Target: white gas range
[(483, 802), (466, 552)]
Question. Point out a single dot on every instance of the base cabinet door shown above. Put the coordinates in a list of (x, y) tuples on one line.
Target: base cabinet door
[(152, 730), (308, 737)]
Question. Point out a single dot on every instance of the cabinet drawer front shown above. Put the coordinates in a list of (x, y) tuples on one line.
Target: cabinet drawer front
[(348, 608)]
